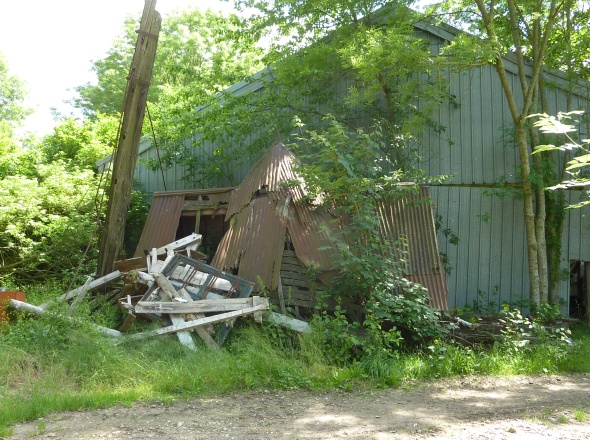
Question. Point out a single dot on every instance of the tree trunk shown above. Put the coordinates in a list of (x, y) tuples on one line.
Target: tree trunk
[(529, 214)]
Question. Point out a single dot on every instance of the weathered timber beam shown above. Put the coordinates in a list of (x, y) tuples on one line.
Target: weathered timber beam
[(99, 282), (199, 278), (179, 244), (195, 205), (131, 264), (19, 305), (184, 337), (201, 306)]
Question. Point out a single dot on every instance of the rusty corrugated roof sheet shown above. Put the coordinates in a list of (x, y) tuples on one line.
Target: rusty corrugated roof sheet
[(310, 228), (271, 171), (410, 220), (253, 245), (262, 210), (161, 223)]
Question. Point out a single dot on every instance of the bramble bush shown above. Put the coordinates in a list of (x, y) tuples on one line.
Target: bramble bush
[(349, 172), (47, 221)]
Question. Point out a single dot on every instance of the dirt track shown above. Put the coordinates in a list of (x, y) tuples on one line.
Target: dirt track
[(467, 408)]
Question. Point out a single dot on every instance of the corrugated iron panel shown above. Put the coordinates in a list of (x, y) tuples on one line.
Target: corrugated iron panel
[(253, 244), (271, 171), (310, 228), (161, 224), (432, 282), (409, 223)]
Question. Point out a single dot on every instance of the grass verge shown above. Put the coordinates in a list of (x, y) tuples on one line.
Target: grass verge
[(50, 365)]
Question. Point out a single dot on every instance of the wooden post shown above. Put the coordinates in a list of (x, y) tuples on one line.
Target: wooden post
[(125, 158), (198, 217)]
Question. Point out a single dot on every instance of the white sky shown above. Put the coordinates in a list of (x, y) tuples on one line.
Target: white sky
[(50, 44)]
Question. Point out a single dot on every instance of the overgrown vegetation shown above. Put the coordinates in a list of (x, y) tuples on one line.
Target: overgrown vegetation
[(48, 364), (350, 174)]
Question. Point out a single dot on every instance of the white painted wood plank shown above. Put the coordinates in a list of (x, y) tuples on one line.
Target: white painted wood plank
[(201, 306), (196, 323), (99, 282)]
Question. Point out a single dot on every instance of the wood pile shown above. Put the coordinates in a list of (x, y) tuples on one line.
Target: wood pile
[(172, 286), (490, 330)]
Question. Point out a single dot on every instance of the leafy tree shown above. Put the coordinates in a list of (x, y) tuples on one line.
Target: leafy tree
[(346, 59), (80, 143), (106, 96), (579, 166), (12, 95), (12, 114), (199, 54), (527, 29)]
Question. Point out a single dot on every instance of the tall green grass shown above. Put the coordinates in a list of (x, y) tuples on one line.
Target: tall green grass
[(49, 365)]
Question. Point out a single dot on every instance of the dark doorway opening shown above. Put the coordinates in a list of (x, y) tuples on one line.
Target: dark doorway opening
[(579, 286), (211, 227)]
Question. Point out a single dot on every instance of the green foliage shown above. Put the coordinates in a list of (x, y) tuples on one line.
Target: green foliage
[(371, 68), (12, 114), (579, 166), (350, 173), (200, 54), (136, 217), (48, 364), (106, 96), (519, 330), (80, 144), (12, 95), (403, 305), (341, 338), (47, 221)]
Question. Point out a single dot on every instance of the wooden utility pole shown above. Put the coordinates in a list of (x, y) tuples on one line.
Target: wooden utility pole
[(125, 159)]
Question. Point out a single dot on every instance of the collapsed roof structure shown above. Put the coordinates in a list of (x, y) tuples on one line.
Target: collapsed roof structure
[(267, 232)]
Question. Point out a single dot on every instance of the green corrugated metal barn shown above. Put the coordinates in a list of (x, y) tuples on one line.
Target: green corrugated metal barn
[(488, 264)]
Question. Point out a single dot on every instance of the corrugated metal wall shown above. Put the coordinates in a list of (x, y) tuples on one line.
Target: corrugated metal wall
[(152, 181), (489, 263)]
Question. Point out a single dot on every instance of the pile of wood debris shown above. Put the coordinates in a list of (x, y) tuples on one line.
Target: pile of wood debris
[(173, 286)]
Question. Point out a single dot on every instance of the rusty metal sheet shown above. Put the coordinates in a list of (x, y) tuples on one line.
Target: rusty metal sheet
[(411, 220), (408, 220), (270, 173), (436, 285), (161, 223), (253, 245), (262, 210), (310, 228)]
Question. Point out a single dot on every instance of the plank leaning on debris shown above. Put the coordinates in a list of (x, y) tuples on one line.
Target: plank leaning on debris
[(169, 290), (99, 282)]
